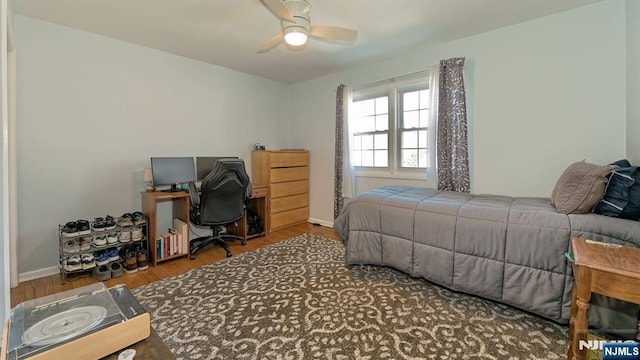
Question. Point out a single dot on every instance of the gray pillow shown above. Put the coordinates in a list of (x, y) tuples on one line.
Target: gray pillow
[(580, 188)]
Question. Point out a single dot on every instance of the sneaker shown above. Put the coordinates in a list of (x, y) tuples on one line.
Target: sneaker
[(109, 223), (88, 261), (113, 254), (71, 246), (143, 263), (100, 240), (85, 243), (136, 234), (70, 229), (83, 227), (138, 219), (125, 236), (116, 270), (102, 259), (99, 224), (125, 220), (102, 273), (73, 263), (131, 263), (112, 238)]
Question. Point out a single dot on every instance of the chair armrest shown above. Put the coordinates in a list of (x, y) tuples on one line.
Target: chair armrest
[(193, 195), (249, 190)]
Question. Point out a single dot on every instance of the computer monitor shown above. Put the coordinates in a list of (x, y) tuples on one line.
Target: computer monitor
[(172, 171), (204, 164)]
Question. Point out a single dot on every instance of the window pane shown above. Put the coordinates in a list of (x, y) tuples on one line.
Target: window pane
[(381, 158), (380, 141), (410, 119), (409, 158), (367, 158), (357, 142), (382, 122), (367, 142), (357, 158), (356, 109), (382, 105), (424, 118), (422, 158), (368, 107), (410, 101), (367, 124), (409, 139), (424, 99), (422, 138)]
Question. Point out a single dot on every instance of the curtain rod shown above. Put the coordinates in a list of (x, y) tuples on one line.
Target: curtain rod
[(389, 78)]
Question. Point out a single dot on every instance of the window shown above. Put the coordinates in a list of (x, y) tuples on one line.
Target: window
[(371, 132), (413, 127), (392, 129)]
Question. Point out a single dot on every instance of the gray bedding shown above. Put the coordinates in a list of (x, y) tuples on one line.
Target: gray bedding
[(502, 248)]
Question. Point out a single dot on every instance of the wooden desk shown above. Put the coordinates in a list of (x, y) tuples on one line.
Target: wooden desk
[(181, 204), (607, 270), (147, 349), (181, 207)]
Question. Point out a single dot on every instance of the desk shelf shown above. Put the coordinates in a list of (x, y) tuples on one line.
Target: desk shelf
[(257, 205), (181, 204)]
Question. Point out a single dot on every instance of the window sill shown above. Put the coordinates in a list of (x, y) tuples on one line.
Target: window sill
[(391, 176)]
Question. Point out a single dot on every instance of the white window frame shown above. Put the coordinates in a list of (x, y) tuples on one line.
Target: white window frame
[(392, 89)]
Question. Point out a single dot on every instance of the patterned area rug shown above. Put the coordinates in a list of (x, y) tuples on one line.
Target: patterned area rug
[(296, 300)]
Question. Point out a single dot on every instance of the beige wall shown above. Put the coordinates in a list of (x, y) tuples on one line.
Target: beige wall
[(540, 96), (633, 81), (92, 111)]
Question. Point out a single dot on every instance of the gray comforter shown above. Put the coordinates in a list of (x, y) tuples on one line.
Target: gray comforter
[(503, 248)]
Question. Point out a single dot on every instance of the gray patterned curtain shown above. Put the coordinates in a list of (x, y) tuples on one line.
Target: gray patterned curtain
[(452, 147), (338, 199)]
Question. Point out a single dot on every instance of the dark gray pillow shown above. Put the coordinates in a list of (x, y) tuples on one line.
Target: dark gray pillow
[(580, 188), (622, 194)]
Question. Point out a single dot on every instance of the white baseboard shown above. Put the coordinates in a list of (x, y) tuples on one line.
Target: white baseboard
[(36, 274), (328, 224)]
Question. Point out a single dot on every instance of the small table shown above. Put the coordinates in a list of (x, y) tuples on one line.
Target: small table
[(149, 348), (602, 268)]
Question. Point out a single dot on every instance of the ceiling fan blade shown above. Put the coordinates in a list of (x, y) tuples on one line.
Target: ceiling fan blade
[(334, 34), (279, 9), (270, 44)]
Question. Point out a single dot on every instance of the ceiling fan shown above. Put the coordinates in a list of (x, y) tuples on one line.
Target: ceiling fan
[(296, 26)]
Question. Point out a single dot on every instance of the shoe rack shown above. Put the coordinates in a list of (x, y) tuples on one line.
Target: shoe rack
[(65, 254)]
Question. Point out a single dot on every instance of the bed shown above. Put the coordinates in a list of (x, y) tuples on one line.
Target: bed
[(508, 249)]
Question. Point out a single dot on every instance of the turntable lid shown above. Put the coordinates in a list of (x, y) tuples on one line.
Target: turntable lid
[(47, 321)]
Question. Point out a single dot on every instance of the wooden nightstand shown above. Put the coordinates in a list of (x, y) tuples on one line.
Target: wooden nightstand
[(606, 269)]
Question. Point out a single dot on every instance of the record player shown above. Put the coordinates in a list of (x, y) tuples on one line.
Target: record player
[(85, 323)]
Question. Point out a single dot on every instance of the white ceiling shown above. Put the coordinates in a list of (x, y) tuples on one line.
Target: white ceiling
[(228, 32)]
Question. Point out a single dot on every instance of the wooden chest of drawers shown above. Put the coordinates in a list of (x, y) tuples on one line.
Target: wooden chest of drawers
[(286, 173)]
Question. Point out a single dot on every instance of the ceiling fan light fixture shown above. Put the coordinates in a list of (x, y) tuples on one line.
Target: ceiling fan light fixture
[(295, 36)]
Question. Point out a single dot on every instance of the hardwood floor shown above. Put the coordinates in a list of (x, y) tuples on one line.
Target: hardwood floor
[(53, 284)]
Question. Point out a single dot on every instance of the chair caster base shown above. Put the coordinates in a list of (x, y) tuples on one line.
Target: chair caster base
[(228, 254), (192, 257), (243, 242)]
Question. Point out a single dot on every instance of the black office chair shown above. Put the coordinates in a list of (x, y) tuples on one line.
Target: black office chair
[(223, 199)]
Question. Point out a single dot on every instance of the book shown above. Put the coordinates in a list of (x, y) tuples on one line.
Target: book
[(158, 241), (164, 247), (182, 229), (171, 241)]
